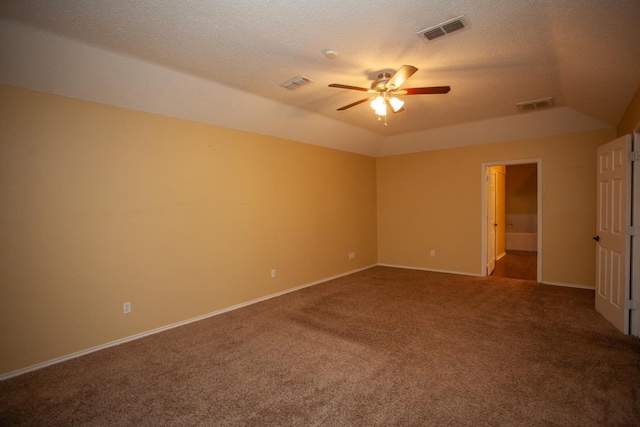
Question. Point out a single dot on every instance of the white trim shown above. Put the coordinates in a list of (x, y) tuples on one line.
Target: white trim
[(569, 285), (634, 293), (407, 267), (566, 285), (483, 207), (502, 255), (171, 326)]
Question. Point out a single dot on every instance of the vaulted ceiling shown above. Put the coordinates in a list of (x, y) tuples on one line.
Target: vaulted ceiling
[(583, 54)]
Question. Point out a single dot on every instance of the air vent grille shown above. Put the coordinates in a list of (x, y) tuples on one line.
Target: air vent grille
[(295, 82), (444, 28), (453, 26), (536, 104), (434, 34)]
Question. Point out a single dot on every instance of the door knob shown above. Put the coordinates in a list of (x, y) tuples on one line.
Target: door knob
[(597, 238)]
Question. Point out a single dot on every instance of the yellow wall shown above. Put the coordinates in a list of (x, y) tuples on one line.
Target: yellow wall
[(631, 117), (102, 205), (433, 201), (522, 189)]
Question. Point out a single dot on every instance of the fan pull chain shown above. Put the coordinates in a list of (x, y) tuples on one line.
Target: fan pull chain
[(385, 119)]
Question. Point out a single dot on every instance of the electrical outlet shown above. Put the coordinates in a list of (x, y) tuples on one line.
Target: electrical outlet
[(126, 308), (273, 273), (433, 253), (352, 255)]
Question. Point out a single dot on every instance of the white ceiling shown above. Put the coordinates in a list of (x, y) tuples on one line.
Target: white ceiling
[(583, 53)]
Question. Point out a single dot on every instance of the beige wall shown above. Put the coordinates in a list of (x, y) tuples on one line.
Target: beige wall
[(521, 191), (433, 201), (631, 116), (102, 205)]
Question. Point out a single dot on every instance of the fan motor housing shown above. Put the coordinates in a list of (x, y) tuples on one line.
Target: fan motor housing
[(380, 83)]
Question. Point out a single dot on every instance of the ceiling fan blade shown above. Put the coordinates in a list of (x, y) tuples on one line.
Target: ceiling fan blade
[(353, 104), (348, 87), (401, 76), (426, 90)]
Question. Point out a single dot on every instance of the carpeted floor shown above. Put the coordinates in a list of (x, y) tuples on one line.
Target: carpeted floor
[(381, 347), (517, 265)]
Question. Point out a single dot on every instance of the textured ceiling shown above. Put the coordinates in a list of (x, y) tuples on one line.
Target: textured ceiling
[(583, 53)]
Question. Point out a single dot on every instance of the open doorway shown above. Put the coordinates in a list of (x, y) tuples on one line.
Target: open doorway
[(512, 219)]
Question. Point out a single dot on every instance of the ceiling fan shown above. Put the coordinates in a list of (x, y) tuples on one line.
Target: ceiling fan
[(386, 89)]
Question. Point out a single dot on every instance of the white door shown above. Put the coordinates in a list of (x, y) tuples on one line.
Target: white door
[(613, 238), (491, 221)]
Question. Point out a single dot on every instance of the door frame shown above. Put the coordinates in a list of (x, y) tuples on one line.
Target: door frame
[(483, 209), (634, 321), (491, 179)]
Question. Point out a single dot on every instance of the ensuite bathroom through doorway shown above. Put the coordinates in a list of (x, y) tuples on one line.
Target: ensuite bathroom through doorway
[(516, 220)]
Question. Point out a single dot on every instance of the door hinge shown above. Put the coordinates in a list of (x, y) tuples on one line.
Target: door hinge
[(632, 231), (635, 156), (630, 305)]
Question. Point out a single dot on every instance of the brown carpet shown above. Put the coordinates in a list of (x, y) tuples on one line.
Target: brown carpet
[(518, 265), (377, 348)]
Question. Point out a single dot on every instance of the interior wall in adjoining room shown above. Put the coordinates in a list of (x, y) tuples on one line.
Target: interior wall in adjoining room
[(521, 189), (521, 206), (433, 201), (103, 205)]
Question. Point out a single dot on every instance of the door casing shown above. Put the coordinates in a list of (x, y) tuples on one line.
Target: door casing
[(491, 220), (635, 240)]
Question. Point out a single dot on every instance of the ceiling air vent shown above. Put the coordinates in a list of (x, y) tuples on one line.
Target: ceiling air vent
[(536, 104), (295, 82), (444, 28)]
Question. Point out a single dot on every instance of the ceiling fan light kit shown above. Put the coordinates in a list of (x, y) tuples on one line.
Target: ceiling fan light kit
[(379, 106), (396, 104), (386, 89)]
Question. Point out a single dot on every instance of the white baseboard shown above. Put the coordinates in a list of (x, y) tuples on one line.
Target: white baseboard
[(569, 285), (566, 285), (407, 267), (171, 326), (502, 255)]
